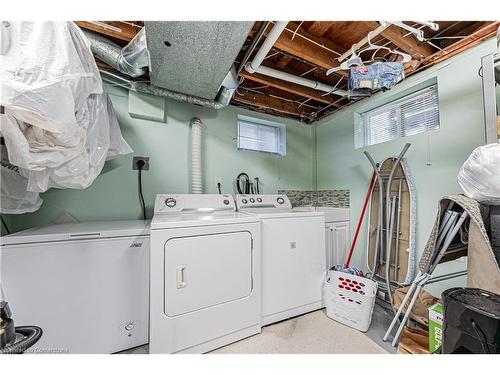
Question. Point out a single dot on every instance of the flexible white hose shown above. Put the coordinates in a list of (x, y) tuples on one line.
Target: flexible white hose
[(196, 161)]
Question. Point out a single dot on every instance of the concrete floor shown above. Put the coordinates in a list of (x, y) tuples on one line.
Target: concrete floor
[(312, 333)]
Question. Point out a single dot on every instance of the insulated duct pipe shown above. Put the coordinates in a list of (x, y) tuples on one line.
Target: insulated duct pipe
[(221, 101), (255, 65), (196, 177), (112, 54)]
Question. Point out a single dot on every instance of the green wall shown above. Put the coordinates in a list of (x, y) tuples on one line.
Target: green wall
[(340, 166), (321, 156), (113, 195)]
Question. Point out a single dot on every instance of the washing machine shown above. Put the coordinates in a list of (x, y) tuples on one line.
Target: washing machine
[(293, 256), (205, 273)]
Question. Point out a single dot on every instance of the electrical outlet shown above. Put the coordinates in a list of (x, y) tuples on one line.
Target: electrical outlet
[(145, 159), (218, 180)]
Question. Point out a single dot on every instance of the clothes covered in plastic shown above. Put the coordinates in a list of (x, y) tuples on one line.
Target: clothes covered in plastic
[(15, 199), (364, 79), (479, 176), (58, 124)]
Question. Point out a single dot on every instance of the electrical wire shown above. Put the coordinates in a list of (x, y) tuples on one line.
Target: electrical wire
[(478, 330), (141, 196), (5, 225)]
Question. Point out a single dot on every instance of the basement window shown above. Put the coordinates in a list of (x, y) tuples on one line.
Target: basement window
[(413, 114), (261, 135)]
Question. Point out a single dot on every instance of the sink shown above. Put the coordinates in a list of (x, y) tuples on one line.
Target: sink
[(332, 214)]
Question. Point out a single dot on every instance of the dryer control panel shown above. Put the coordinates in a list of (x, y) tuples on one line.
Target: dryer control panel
[(262, 201), (176, 203)]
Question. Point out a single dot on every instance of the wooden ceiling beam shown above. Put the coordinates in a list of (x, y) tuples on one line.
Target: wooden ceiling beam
[(289, 87), (486, 30), (269, 102), (119, 30), (283, 61), (481, 34), (319, 28), (308, 50), (409, 44)]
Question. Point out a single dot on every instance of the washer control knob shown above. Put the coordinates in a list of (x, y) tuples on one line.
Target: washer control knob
[(280, 200), (259, 200), (170, 202), (226, 201), (244, 201), (129, 327), (252, 200)]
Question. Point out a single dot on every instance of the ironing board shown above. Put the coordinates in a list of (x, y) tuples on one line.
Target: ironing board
[(402, 264)]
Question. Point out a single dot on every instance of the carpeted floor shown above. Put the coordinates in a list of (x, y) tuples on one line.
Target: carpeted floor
[(312, 333)]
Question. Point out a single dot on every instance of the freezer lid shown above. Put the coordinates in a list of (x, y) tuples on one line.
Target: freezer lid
[(80, 231)]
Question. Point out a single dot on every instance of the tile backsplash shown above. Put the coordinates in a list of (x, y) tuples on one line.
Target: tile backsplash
[(328, 198)]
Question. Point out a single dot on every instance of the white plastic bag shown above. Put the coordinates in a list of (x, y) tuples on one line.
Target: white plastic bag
[(102, 141), (479, 176), (59, 126), (14, 197), (47, 74)]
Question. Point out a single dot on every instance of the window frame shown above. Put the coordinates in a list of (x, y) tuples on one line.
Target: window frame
[(400, 130), (281, 145)]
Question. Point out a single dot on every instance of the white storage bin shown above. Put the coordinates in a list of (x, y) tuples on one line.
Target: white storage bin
[(350, 299)]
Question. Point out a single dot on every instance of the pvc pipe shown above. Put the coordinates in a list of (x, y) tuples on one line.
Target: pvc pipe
[(298, 80), (271, 38), (196, 161), (255, 65)]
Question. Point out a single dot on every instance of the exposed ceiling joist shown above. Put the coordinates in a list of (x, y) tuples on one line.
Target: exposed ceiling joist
[(309, 50), (115, 29), (408, 44), (290, 87), (283, 61), (484, 32), (269, 102), (319, 28)]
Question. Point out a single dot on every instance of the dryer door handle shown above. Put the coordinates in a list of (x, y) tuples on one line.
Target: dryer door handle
[(181, 276)]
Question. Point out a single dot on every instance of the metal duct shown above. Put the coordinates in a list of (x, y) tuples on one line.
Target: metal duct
[(193, 57), (131, 60), (221, 101)]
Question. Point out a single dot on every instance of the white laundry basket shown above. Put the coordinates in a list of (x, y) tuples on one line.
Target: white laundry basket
[(350, 299)]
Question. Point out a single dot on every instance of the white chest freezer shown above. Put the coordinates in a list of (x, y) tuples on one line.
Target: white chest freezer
[(86, 285)]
